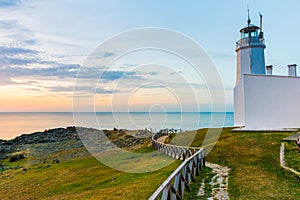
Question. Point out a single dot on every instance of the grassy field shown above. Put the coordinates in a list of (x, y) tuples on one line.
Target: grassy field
[(206, 174), (77, 178), (254, 161), (252, 156), (292, 156)]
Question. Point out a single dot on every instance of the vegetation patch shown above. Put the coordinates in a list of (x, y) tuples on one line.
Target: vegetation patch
[(77, 175), (253, 158), (16, 157), (292, 156), (201, 188)]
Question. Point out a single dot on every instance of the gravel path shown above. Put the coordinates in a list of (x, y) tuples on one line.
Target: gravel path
[(162, 138), (219, 182)]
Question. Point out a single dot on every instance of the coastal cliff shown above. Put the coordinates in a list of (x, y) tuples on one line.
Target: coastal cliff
[(64, 136)]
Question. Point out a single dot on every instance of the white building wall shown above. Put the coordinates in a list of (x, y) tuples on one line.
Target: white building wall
[(239, 104), (271, 102)]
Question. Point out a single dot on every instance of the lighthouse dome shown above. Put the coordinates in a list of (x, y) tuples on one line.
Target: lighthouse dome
[(249, 28)]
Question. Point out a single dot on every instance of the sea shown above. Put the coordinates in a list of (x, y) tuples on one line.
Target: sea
[(13, 124)]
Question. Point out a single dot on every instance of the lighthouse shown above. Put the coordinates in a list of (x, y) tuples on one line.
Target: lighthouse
[(250, 50), (262, 100)]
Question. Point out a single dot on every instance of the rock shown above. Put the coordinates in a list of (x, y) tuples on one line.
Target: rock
[(71, 129), (54, 140), (55, 160), (219, 182), (51, 135)]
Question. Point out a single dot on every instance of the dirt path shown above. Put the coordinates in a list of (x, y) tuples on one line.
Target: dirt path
[(218, 183), (217, 186), (162, 138)]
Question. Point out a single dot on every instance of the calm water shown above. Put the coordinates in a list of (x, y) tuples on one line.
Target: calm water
[(14, 124)]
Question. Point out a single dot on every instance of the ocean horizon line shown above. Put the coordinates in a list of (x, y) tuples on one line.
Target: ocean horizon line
[(16, 123), (119, 112)]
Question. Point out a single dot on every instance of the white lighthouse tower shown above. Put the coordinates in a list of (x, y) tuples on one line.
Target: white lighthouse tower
[(263, 101), (250, 50)]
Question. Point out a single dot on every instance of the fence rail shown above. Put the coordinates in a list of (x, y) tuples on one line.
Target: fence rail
[(174, 151), (175, 185), (180, 179)]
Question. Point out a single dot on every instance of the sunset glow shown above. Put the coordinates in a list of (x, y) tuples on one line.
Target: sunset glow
[(42, 52)]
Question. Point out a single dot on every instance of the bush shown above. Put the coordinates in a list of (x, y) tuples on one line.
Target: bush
[(16, 157)]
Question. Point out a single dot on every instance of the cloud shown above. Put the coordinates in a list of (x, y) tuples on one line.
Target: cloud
[(108, 75), (5, 80), (175, 73), (152, 73), (9, 3), (154, 86), (9, 24), (60, 71), (81, 89), (116, 75), (105, 91), (16, 56), (4, 61), (19, 75), (107, 54), (16, 50), (128, 66), (15, 34)]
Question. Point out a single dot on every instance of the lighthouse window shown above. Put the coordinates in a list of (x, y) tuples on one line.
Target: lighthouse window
[(254, 34), (245, 35)]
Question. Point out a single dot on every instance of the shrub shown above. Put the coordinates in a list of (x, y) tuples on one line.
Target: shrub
[(16, 157)]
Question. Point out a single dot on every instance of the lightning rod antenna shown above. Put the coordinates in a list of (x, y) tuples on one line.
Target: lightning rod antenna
[(261, 34), (260, 16), (249, 20)]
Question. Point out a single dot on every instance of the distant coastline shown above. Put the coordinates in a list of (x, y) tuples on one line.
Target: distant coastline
[(14, 124), (139, 112)]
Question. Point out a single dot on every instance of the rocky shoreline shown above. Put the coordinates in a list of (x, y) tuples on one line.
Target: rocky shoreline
[(121, 138), (48, 136)]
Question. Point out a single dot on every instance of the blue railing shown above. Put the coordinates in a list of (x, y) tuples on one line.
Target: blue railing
[(250, 40)]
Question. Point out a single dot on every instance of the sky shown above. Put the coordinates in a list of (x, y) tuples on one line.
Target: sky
[(44, 45)]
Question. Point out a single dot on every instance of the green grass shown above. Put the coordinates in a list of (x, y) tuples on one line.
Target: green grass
[(78, 178), (292, 155), (206, 175), (252, 156), (254, 161)]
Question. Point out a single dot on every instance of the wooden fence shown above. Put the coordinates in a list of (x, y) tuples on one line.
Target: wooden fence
[(175, 185), (174, 151)]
